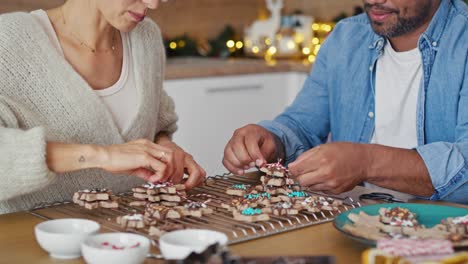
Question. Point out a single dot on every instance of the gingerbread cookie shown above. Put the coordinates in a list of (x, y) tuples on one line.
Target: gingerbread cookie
[(111, 203), (316, 204), (134, 221), (146, 192), (196, 209), (162, 187), (284, 208), (238, 189), (161, 212), (250, 215), (172, 197), (272, 181), (92, 195), (275, 169), (398, 217), (95, 198)]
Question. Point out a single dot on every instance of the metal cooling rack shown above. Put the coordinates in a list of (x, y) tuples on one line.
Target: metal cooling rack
[(221, 220)]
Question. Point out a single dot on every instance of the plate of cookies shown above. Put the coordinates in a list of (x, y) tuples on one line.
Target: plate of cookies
[(371, 223)]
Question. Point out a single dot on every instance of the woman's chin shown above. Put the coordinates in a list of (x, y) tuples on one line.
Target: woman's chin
[(126, 27)]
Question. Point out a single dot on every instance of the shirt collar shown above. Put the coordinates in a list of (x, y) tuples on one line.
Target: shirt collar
[(436, 27)]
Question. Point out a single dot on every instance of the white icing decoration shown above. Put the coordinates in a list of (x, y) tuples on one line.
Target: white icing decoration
[(460, 220), (134, 217), (150, 185)]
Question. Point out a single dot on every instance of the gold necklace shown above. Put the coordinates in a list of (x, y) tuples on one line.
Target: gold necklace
[(84, 44)]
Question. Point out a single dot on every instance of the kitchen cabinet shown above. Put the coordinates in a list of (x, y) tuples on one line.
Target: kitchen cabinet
[(210, 109)]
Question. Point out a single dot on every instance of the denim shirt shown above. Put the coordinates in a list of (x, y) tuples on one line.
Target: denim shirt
[(338, 97)]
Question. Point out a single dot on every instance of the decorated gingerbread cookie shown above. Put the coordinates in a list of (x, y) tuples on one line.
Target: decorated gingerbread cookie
[(195, 209), (238, 189), (95, 198), (161, 212), (250, 215), (134, 221)]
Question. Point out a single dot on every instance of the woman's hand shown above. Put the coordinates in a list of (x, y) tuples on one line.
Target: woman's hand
[(141, 158), (161, 161), (184, 163), (153, 162)]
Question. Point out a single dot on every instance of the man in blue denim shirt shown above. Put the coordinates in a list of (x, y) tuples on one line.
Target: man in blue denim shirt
[(341, 99)]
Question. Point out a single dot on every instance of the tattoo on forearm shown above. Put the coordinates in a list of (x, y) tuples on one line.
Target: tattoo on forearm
[(82, 159)]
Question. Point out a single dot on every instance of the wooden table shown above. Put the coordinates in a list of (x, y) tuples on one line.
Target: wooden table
[(18, 244)]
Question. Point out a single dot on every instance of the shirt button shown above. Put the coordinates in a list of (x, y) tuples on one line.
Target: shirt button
[(370, 68), (434, 43), (370, 114)]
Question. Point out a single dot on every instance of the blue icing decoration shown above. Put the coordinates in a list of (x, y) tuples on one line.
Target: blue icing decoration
[(251, 211), (298, 194), (251, 196), (239, 186)]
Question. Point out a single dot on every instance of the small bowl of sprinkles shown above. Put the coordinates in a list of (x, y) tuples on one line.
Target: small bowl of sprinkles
[(116, 248)]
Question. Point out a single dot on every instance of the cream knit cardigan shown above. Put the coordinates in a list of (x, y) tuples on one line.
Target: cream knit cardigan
[(43, 99)]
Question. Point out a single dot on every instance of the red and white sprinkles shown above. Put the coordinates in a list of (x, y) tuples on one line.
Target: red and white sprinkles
[(277, 166), (107, 245), (415, 247)]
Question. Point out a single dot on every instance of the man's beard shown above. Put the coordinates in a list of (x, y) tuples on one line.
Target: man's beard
[(403, 25)]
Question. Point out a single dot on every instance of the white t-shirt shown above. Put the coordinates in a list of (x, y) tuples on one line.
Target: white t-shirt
[(121, 98), (397, 82)]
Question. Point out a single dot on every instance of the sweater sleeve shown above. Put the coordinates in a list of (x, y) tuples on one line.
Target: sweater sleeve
[(23, 166)]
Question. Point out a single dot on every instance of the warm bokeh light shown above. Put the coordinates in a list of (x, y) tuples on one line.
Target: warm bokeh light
[(181, 43), (272, 50), (316, 49), (298, 38), (291, 45), (230, 43), (311, 58), (315, 26), (173, 45)]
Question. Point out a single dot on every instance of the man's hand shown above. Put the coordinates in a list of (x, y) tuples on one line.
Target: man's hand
[(333, 168), (249, 146)]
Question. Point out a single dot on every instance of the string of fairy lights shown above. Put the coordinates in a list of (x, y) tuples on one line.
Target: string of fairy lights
[(300, 49)]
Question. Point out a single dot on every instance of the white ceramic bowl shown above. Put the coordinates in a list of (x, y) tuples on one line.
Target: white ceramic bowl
[(179, 244), (128, 248), (62, 238)]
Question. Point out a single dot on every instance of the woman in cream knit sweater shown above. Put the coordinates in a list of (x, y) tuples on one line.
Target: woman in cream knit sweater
[(82, 104)]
